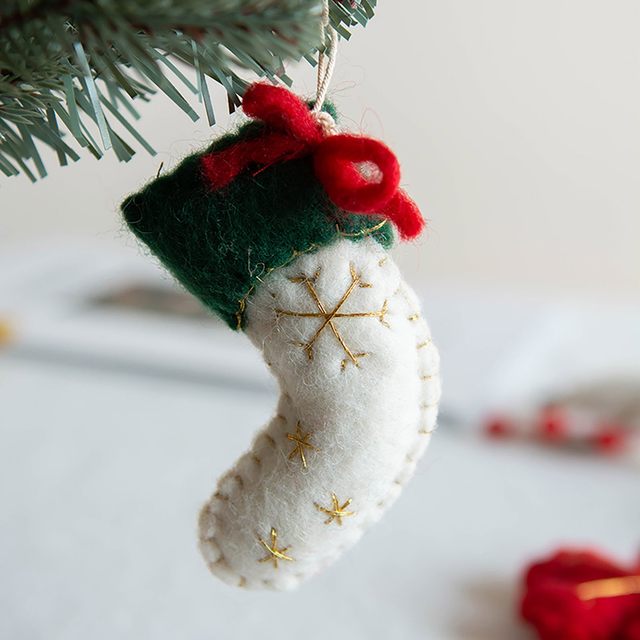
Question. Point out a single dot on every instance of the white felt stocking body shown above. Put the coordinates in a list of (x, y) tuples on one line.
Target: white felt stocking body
[(359, 379)]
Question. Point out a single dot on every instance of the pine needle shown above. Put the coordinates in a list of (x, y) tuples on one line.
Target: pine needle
[(70, 70)]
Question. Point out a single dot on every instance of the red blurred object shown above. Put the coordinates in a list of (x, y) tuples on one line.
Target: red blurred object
[(581, 595), (499, 427), (611, 438), (554, 426)]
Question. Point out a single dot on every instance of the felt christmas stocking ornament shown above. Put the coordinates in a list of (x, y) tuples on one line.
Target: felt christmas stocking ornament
[(282, 229)]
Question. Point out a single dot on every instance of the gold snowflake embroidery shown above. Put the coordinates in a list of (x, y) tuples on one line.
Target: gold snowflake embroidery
[(328, 318)]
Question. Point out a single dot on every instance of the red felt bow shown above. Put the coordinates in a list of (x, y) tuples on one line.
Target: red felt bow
[(580, 595), (292, 132)]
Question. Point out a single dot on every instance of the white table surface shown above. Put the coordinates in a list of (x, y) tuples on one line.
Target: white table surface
[(102, 476)]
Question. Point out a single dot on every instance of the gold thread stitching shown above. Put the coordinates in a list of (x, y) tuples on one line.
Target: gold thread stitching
[(337, 511), (242, 303), (329, 317), (275, 553), (355, 276), (423, 406), (345, 362), (301, 441), (362, 232)]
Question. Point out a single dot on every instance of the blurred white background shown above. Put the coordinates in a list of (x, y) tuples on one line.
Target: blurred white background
[(516, 124)]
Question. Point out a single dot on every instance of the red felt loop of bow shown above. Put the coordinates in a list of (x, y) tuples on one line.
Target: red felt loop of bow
[(337, 163), (292, 132)]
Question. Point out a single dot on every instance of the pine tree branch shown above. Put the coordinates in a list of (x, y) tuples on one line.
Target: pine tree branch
[(72, 70)]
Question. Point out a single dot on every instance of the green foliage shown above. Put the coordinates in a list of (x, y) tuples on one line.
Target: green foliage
[(77, 66)]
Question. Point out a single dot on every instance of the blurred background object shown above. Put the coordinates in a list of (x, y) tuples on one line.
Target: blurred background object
[(602, 417), (120, 401), (581, 593)]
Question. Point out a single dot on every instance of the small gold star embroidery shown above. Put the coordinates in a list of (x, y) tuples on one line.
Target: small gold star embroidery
[(328, 318), (337, 511), (274, 554), (301, 441)]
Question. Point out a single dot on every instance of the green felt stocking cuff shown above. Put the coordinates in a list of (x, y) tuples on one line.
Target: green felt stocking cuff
[(219, 244)]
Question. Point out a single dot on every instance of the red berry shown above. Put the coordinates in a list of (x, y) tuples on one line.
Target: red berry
[(499, 427), (553, 425), (610, 438)]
